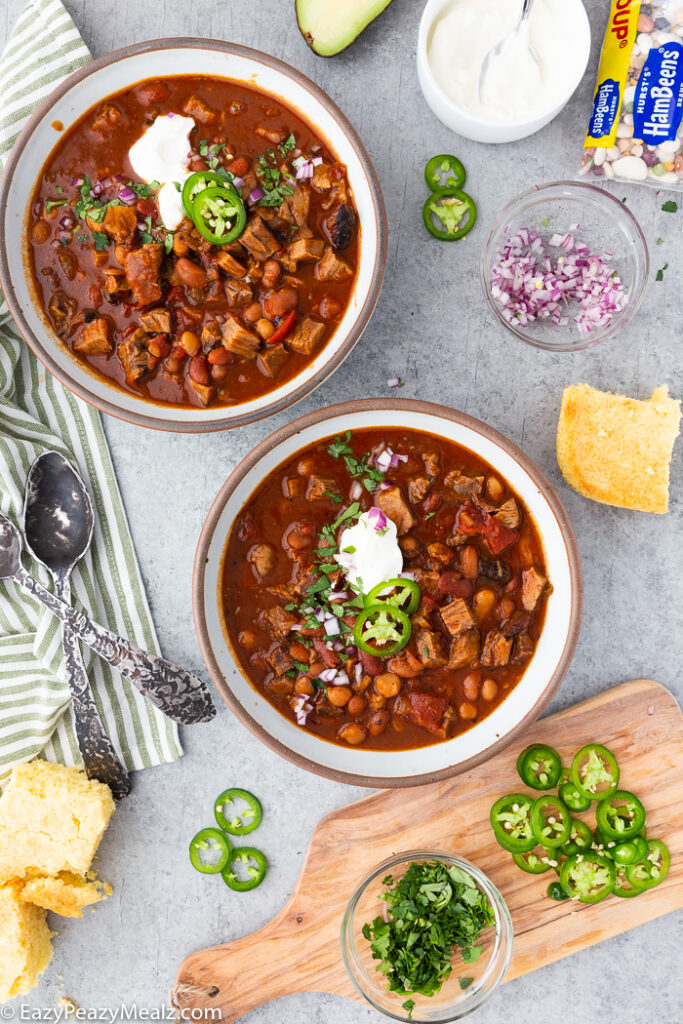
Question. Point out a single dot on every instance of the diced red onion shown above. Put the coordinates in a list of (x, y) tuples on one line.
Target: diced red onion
[(67, 221), (304, 171), (256, 195), (319, 614), (141, 225), (302, 708), (396, 459), (97, 189), (526, 283), (296, 625), (237, 181), (358, 672), (394, 382), (377, 519), (316, 161), (356, 490), (407, 575), (332, 627), (126, 195), (327, 675), (338, 595), (341, 679), (383, 459), (77, 182)]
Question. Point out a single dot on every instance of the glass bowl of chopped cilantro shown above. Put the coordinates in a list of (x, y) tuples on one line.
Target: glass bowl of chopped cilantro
[(426, 937)]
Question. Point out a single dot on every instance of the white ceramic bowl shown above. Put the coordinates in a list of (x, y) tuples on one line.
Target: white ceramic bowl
[(117, 71), (526, 701), (468, 125)]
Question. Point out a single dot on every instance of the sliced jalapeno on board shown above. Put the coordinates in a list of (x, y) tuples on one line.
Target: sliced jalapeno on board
[(445, 170), (209, 843), (595, 771), (580, 838), (626, 854), (539, 766), (403, 593), (511, 822), (588, 877), (241, 823), (622, 886), (536, 861), (572, 796), (455, 210), (620, 816), (653, 869), (556, 892), (382, 629), (256, 868), (550, 821)]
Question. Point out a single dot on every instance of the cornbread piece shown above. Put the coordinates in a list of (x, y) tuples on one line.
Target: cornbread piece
[(65, 894), (617, 450), (25, 946), (51, 819)]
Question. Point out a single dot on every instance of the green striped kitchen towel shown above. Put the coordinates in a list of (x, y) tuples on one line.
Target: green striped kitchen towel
[(37, 413)]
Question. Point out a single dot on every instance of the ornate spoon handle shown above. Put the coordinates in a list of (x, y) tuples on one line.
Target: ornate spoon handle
[(176, 692)]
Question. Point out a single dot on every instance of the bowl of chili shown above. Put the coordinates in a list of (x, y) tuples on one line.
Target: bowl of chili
[(214, 305), (440, 659)]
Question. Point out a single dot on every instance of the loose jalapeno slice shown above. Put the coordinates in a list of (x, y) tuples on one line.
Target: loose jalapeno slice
[(620, 816), (580, 838), (196, 183), (210, 841), (588, 877), (511, 822), (242, 822), (382, 629), (256, 867), (572, 796), (450, 206), (622, 886), (602, 844), (539, 766), (595, 771), (626, 853), (445, 166), (653, 869), (640, 843), (219, 215), (404, 594), (536, 861), (551, 821), (556, 892)]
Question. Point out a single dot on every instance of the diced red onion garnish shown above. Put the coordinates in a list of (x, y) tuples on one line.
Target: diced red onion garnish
[(407, 575), (319, 614), (529, 285), (304, 171), (341, 679), (238, 182), (302, 709), (126, 195), (141, 226), (327, 675), (332, 627), (356, 490), (377, 519), (97, 189), (316, 161), (171, 114), (383, 486), (358, 671), (256, 195), (77, 182), (383, 459), (296, 625), (394, 382), (67, 221), (338, 595), (396, 459)]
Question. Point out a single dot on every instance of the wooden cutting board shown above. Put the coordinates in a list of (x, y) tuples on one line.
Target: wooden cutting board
[(299, 951)]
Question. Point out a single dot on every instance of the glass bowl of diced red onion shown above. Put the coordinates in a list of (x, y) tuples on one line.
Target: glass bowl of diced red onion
[(565, 266)]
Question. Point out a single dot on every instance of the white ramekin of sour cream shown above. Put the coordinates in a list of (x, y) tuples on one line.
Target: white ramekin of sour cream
[(521, 96)]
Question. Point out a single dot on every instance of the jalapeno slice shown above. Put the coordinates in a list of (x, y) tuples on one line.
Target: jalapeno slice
[(382, 629), (210, 842), (539, 766), (572, 796), (620, 816), (551, 821), (197, 182), (219, 214), (640, 843), (403, 594), (580, 838), (622, 886), (653, 869), (588, 877), (445, 170), (455, 210), (536, 861), (241, 823), (626, 854), (511, 822), (556, 892), (595, 772), (256, 868)]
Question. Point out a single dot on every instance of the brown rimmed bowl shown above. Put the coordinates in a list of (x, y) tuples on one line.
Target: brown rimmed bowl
[(379, 768), (120, 70)]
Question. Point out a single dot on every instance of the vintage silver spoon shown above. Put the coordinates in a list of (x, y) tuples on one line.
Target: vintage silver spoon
[(178, 693), (58, 526), (495, 51)]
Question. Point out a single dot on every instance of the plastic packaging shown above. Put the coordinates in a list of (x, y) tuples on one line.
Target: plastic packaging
[(635, 131)]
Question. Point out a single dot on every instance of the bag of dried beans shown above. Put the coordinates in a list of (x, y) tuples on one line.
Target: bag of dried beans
[(635, 131)]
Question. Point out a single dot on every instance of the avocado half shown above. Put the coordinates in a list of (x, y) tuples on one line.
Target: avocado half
[(329, 26)]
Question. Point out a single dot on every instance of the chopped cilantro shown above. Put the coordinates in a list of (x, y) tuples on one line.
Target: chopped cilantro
[(659, 276), (271, 177), (340, 446), (332, 497), (101, 240), (51, 203), (59, 190), (465, 982), (287, 146), (670, 206), (660, 241)]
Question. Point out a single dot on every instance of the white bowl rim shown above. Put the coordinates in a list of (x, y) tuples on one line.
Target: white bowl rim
[(175, 420), (432, 10), (320, 417)]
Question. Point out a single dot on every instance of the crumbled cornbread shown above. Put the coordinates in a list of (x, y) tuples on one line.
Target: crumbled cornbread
[(51, 820), (25, 947), (65, 894)]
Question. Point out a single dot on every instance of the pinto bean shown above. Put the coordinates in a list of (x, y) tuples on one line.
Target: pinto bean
[(40, 232), (180, 246), (300, 652), (376, 700), (353, 733), (470, 685), (252, 313), (483, 603), (388, 684), (506, 607), (191, 274), (494, 488), (329, 308), (265, 329), (219, 373), (377, 722), (469, 561), (450, 582), (271, 272), (247, 639), (190, 343), (219, 356), (199, 370), (304, 685), (281, 302), (489, 690), (151, 93), (339, 696), (356, 706), (467, 711)]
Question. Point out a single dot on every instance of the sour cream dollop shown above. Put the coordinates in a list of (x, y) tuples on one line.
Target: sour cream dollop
[(161, 154), (369, 551)]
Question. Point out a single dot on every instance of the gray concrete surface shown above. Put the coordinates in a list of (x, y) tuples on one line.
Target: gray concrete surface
[(432, 328)]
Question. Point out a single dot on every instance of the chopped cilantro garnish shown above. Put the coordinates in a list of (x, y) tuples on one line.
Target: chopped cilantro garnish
[(101, 240), (51, 203), (276, 190), (660, 241), (287, 146), (670, 206), (659, 276)]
